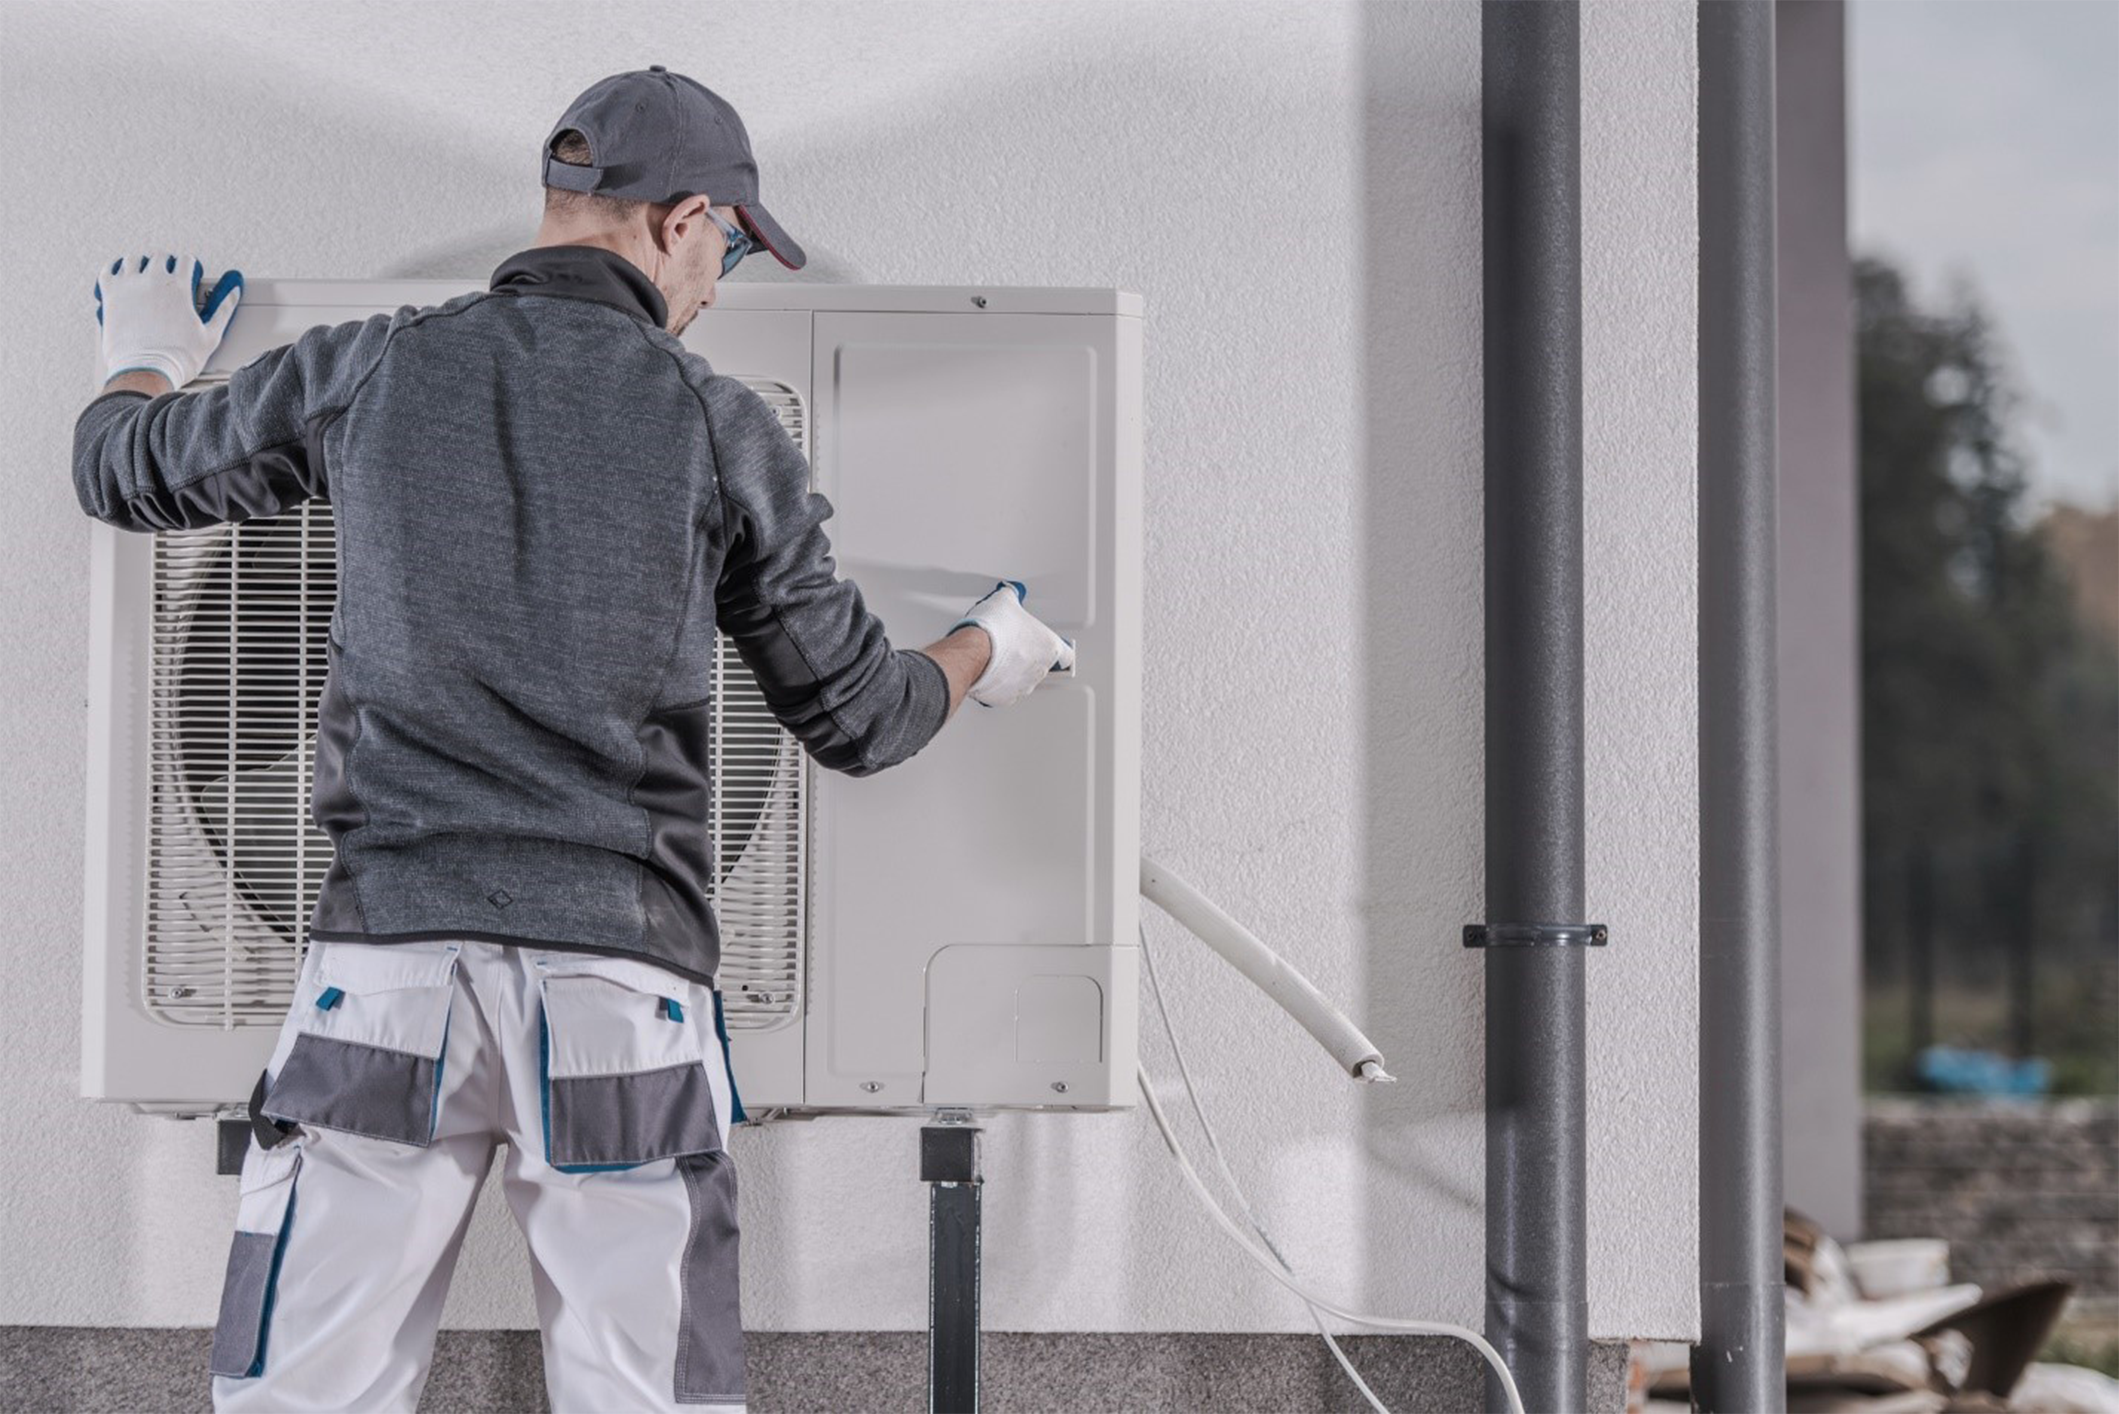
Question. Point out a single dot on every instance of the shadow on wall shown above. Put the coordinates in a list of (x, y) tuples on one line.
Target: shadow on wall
[(1422, 521)]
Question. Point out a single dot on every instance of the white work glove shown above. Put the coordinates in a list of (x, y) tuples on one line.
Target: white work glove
[(148, 307), (1024, 650)]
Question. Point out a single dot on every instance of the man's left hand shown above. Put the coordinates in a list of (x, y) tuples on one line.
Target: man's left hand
[(152, 323)]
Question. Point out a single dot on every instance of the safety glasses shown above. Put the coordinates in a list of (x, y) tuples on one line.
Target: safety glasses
[(739, 242)]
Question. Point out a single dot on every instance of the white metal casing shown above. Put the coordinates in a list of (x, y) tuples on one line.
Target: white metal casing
[(968, 918)]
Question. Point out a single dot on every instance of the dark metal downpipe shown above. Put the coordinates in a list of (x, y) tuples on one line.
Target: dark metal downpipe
[(1537, 1312), (1739, 1364)]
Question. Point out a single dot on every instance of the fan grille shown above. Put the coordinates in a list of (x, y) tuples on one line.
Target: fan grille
[(240, 616)]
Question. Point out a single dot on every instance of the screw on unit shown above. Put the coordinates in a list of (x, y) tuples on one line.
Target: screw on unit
[(871, 1086), (1060, 1086), (979, 300)]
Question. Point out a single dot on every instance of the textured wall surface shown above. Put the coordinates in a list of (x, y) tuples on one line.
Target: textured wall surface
[(2020, 1191), (1294, 189)]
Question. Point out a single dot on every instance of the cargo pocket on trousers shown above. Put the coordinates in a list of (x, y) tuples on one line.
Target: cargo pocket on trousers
[(623, 1057), (264, 1216), (370, 1041)]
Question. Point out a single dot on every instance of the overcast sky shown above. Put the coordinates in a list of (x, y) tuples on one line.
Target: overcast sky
[(1985, 141)]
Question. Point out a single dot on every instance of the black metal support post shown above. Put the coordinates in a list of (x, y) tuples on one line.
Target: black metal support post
[(1739, 1363), (949, 1164), (1537, 1311)]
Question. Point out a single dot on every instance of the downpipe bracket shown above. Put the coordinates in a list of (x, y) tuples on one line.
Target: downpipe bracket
[(1535, 935)]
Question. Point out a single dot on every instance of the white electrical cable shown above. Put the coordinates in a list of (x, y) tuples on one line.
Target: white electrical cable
[(1270, 1258), (1228, 1175), (1389, 1323)]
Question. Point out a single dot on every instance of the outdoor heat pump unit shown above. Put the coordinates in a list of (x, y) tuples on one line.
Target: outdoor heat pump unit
[(958, 931)]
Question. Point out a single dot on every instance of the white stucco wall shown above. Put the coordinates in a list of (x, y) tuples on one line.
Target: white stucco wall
[(1294, 187)]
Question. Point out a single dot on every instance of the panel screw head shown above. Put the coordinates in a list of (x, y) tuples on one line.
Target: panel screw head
[(979, 301), (871, 1086), (1060, 1086)]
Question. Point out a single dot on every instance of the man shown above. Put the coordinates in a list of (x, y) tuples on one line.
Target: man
[(545, 508)]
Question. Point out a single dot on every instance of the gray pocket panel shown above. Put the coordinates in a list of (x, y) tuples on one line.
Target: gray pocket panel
[(710, 1319), (631, 1119), (357, 1088), (238, 1334)]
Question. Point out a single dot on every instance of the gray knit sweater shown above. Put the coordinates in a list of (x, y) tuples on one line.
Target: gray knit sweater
[(545, 506)]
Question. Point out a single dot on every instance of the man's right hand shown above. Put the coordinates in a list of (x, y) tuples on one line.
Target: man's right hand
[(1024, 649)]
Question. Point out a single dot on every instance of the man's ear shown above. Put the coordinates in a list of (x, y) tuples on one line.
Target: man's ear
[(683, 220)]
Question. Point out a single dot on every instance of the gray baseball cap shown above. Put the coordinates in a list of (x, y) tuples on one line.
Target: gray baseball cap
[(659, 137)]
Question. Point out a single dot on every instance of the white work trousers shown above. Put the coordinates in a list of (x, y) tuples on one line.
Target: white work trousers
[(400, 1067)]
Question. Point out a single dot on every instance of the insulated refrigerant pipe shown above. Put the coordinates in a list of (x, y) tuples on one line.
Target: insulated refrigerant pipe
[(1738, 1365), (1356, 1054), (1537, 1309)]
